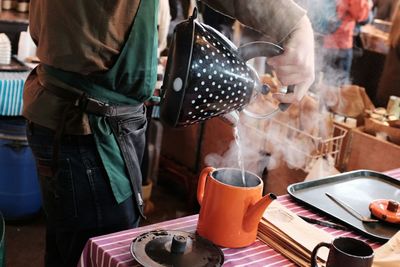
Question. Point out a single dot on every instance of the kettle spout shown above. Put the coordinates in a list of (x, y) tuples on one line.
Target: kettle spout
[(232, 118), (256, 211)]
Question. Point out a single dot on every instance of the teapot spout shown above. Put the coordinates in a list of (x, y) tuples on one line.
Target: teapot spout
[(256, 211)]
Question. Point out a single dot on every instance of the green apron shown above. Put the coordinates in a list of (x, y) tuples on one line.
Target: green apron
[(130, 81)]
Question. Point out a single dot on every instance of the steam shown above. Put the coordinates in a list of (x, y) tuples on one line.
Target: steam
[(265, 145), (293, 137), (324, 65), (252, 154)]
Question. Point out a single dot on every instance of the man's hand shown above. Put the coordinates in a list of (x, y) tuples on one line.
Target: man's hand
[(296, 65)]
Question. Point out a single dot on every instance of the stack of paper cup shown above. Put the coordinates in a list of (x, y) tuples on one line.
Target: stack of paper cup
[(5, 49), (393, 107), (26, 46)]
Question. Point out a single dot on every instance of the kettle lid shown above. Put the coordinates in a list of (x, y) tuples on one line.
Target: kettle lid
[(175, 248)]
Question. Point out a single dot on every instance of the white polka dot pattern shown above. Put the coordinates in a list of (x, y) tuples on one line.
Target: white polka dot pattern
[(218, 81)]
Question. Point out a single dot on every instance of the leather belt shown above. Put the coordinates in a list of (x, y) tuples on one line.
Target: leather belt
[(88, 104), (96, 107)]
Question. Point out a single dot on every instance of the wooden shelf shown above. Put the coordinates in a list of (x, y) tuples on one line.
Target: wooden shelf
[(12, 23), (12, 16)]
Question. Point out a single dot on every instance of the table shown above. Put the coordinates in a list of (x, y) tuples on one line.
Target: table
[(11, 89), (114, 249)]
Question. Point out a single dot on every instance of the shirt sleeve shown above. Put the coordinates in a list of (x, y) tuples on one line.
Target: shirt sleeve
[(275, 18), (359, 9)]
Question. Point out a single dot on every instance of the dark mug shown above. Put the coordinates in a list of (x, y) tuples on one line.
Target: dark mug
[(345, 251)]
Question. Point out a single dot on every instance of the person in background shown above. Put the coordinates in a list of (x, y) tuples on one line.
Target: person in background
[(85, 112), (338, 46), (357, 42), (384, 9), (389, 83)]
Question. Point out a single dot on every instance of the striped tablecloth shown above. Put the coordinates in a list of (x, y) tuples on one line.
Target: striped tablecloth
[(11, 89), (114, 249)]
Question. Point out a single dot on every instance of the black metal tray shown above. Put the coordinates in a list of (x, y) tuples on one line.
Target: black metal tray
[(357, 188)]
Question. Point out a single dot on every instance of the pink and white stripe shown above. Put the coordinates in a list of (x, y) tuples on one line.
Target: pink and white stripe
[(113, 250)]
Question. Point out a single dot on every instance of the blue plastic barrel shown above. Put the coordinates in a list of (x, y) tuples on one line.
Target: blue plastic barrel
[(2, 241), (19, 185)]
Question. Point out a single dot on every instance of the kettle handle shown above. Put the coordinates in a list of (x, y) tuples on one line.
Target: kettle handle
[(259, 49), (263, 49), (202, 183)]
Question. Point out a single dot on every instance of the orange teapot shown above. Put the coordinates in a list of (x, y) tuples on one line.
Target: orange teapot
[(231, 207)]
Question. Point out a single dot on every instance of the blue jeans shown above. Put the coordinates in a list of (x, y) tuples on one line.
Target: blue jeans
[(77, 197)]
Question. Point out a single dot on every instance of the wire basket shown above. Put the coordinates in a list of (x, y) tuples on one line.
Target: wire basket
[(291, 149)]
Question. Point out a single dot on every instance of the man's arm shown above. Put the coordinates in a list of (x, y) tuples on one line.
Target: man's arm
[(275, 18), (286, 22)]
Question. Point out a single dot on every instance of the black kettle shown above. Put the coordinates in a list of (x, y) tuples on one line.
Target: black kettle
[(207, 75)]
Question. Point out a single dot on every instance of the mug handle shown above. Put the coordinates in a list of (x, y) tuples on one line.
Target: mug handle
[(202, 183), (315, 251), (263, 49)]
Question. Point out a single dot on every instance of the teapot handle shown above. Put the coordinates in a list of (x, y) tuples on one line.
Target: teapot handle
[(263, 49), (202, 183)]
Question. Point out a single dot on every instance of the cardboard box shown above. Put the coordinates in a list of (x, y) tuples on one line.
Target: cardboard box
[(373, 127), (181, 145), (216, 139), (368, 152), (341, 161), (277, 180), (374, 39)]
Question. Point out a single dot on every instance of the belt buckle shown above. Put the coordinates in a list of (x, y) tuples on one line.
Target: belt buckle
[(99, 107), (83, 101), (97, 102)]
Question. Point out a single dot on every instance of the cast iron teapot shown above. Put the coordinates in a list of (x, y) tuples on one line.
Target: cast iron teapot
[(207, 75)]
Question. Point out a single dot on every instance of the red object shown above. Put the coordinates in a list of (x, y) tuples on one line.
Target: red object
[(349, 11), (386, 210)]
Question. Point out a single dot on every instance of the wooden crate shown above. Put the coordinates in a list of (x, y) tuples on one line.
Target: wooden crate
[(181, 145), (343, 157), (368, 152), (184, 152)]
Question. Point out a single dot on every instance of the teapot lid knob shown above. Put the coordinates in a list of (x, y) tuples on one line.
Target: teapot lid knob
[(393, 206), (178, 245)]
